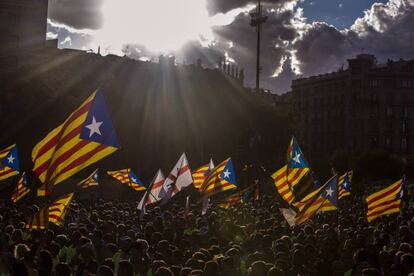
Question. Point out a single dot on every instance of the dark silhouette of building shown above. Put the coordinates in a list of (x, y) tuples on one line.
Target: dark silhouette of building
[(22, 30), (366, 106)]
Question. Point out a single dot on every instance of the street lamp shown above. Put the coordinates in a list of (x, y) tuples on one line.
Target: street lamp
[(257, 20)]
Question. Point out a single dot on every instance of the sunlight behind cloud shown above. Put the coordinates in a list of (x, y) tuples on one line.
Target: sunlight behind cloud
[(161, 26)]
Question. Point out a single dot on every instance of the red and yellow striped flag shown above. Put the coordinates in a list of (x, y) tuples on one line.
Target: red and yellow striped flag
[(127, 177), (344, 184), (54, 213), (282, 184), (221, 178), (322, 199), (9, 162), (200, 174), (386, 201), (237, 197), (294, 180), (84, 138), (21, 189), (90, 181)]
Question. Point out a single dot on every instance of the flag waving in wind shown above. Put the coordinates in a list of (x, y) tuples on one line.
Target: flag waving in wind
[(54, 213), (344, 185), (200, 174), (221, 178), (386, 201), (90, 181), (178, 179), (9, 162), (237, 197), (294, 180), (323, 197), (21, 189), (128, 177), (84, 138), (152, 195)]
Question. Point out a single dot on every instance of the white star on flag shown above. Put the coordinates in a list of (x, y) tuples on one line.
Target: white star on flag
[(134, 179), (297, 157), (94, 127), (329, 192), (10, 159), (226, 174)]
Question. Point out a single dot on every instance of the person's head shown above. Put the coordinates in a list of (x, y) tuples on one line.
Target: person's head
[(17, 235), (19, 251), (44, 262), (370, 272), (105, 270), (157, 264), (275, 271), (257, 268), (63, 269), (163, 271), (185, 271), (407, 261), (125, 269), (211, 268)]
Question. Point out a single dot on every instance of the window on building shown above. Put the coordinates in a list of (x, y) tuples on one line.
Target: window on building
[(374, 141), (374, 97), (405, 83), (404, 144), (376, 83), (390, 97), (388, 142), (405, 112)]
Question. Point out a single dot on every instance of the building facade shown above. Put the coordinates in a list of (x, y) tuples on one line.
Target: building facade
[(366, 106), (22, 29)]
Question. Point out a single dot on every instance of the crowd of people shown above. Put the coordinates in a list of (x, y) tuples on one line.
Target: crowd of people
[(103, 237)]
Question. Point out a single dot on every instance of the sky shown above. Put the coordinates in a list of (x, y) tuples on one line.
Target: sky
[(300, 38)]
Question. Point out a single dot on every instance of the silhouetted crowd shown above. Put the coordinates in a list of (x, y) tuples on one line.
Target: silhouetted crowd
[(110, 238)]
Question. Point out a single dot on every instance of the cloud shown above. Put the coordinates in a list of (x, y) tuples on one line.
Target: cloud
[(51, 35), (66, 42), (291, 46), (79, 38), (384, 30), (80, 14)]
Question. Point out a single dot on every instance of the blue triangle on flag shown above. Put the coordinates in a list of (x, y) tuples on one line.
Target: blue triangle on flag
[(24, 177), (98, 125), (135, 179), (331, 191), (11, 160), (297, 160), (96, 175), (346, 185), (228, 173)]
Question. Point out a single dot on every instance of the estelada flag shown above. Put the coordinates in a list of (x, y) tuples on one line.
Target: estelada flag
[(344, 184), (90, 181), (200, 174), (221, 178), (128, 177), (386, 201), (326, 195), (84, 138), (21, 189), (54, 213), (294, 181), (9, 162)]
